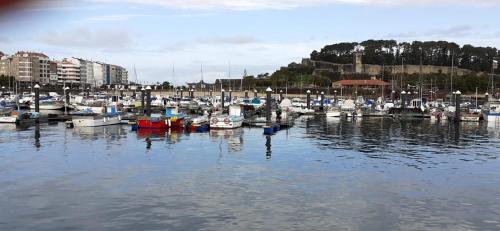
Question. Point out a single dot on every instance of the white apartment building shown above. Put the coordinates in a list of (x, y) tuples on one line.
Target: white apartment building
[(68, 71)]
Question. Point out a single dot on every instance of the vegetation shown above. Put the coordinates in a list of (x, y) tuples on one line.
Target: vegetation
[(390, 52)]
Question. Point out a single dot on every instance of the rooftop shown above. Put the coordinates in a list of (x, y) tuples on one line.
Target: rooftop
[(362, 82)]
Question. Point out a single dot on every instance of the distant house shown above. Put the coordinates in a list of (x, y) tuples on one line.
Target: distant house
[(201, 85), (355, 83)]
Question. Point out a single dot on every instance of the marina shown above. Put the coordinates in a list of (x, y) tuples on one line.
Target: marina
[(235, 115)]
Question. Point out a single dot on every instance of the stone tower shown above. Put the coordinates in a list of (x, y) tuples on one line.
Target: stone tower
[(358, 62)]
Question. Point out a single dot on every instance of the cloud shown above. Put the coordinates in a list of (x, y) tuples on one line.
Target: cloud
[(451, 32), (291, 4), (117, 17), (108, 39), (235, 40)]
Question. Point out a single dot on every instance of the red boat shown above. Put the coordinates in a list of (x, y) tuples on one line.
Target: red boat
[(152, 122)]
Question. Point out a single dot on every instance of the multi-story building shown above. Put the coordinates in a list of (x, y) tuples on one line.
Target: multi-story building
[(68, 71), (118, 75), (25, 66), (98, 74), (5, 66), (53, 77)]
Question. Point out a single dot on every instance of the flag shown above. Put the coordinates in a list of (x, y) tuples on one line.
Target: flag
[(495, 64)]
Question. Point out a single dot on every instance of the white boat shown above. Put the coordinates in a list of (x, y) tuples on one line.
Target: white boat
[(349, 107), (233, 120), (8, 119), (96, 120), (333, 112), (49, 105)]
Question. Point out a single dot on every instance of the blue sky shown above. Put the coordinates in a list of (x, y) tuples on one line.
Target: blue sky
[(259, 36)]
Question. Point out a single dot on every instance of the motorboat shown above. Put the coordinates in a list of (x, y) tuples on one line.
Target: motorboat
[(233, 120)]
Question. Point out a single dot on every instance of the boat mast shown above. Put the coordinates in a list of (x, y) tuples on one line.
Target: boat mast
[(451, 76)]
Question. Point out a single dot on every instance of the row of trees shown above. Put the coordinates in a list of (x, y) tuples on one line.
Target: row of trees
[(391, 52)]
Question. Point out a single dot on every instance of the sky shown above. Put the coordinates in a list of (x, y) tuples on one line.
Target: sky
[(184, 40)]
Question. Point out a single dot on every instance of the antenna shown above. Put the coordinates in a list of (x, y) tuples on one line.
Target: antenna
[(173, 74)]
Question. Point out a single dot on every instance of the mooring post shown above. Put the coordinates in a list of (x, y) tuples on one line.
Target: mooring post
[(269, 128), (37, 98), (308, 99), (457, 105), (403, 99), (142, 99), (269, 91), (148, 100), (66, 92), (281, 95), (222, 99), (322, 103)]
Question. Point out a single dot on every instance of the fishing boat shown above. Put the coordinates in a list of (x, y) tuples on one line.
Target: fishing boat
[(152, 122), (96, 120), (110, 117), (172, 119), (233, 120)]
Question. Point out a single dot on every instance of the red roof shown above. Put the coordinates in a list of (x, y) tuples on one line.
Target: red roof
[(363, 82)]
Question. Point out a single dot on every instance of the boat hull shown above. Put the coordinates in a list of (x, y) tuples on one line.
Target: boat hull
[(96, 121), (8, 119), (148, 123), (226, 122)]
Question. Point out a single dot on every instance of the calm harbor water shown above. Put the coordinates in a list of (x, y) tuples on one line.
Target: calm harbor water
[(370, 174)]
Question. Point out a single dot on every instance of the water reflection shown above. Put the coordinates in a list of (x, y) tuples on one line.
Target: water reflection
[(37, 136), (110, 133), (234, 138), (268, 147), (412, 142)]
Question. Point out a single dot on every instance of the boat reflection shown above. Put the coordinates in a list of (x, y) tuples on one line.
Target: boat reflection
[(7, 127), (234, 138), (112, 132), (412, 142)]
